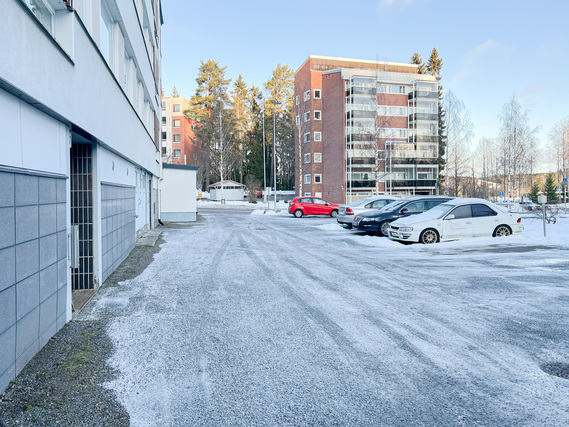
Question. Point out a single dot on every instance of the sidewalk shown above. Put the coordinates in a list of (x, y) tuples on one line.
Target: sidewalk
[(62, 384)]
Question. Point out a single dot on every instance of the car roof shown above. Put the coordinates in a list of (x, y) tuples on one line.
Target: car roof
[(373, 198), (412, 198), (467, 200)]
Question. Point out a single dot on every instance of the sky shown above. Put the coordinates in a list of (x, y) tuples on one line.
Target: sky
[(491, 50)]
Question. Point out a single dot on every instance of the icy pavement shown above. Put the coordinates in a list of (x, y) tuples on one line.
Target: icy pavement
[(273, 320)]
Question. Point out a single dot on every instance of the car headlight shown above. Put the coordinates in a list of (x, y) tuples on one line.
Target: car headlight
[(374, 219), (404, 229)]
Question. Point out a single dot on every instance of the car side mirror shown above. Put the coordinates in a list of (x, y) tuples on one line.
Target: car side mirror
[(451, 216), (328, 204), (404, 210)]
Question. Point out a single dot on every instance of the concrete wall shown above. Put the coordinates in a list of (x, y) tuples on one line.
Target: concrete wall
[(179, 193), (34, 289), (118, 223)]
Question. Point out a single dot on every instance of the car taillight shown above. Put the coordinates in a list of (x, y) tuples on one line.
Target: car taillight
[(349, 211), (519, 220)]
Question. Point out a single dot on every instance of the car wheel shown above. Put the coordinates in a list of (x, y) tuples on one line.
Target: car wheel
[(429, 236), (383, 228), (349, 226), (298, 213), (334, 213), (502, 230)]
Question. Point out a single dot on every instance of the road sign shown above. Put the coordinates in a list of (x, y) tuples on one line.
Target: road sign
[(559, 189), (199, 186), (564, 181), (501, 193)]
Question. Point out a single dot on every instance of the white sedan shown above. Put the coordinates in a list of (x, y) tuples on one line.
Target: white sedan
[(456, 219)]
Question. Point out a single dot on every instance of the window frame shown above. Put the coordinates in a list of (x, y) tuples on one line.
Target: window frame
[(317, 178), (319, 139), (317, 114), (319, 92), (308, 179)]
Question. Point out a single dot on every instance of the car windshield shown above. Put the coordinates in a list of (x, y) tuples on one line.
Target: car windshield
[(438, 211), (359, 203), (393, 206)]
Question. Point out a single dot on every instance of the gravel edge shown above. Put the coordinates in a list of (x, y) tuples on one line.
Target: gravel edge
[(63, 383)]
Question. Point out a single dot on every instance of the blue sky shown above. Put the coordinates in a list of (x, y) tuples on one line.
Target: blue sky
[(490, 49)]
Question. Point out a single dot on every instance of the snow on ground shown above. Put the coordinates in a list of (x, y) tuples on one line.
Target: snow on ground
[(275, 320), (557, 236), (240, 204)]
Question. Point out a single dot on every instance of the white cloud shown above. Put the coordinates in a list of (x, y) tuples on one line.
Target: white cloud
[(479, 58)]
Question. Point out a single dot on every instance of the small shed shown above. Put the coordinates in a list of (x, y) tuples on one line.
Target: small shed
[(178, 193), (232, 190)]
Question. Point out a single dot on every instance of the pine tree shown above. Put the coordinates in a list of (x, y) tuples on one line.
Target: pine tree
[(534, 192), (433, 67), (281, 92), (175, 92), (550, 189), (416, 59), (211, 94)]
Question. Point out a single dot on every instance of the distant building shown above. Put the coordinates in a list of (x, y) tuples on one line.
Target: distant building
[(79, 156), (232, 190), (364, 127), (180, 144)]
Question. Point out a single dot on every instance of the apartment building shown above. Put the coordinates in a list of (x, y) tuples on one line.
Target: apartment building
[(364, 127), (179, 142), (79, 156)]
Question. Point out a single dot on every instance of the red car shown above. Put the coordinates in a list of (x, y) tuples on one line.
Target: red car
[(312, 206)]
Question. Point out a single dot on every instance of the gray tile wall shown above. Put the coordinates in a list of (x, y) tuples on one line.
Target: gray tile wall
[(33, 262), (118, 225)]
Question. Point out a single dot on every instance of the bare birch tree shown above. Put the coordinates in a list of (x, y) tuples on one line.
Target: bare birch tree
[(459, 129)]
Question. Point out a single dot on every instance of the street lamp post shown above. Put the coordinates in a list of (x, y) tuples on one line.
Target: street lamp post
[(275, 102), (265, 199)]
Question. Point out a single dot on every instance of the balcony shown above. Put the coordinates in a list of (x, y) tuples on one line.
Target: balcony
[(423, 138), (413, 183), (423, 116), (423, 94)]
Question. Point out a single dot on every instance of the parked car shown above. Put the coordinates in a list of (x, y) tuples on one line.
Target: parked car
[(456, 219), (346, 213), (377, 222), (300, 206), (528, 205)]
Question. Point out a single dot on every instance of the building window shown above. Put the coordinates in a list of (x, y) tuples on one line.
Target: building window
[(164, 136), (317, 136), (307, 158), (307, 194), (297, 120), (163, 121), (176, 123), (176, 108), (195, 156), (307, 95), (297, 99), (317, 94), (307, 116), (307, 137), (194, 140), (163, 106), (163, 151), (317, 115), (317, 157), (177, 153), (317, 178), (318, 194), (307, 179), (43, 12), (177, 138)]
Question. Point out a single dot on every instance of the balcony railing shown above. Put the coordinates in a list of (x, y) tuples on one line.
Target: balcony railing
[(413, 183), (423, 116), (423, 94)]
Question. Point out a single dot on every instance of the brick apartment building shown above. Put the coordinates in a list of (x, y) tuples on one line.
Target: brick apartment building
[(363, 128), (179, 142)]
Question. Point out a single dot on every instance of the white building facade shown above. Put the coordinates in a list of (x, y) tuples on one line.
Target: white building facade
[(79, 156)]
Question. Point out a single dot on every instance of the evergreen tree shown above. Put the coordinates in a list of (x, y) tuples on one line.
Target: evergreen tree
[(281, 92), (254, 137), (239, 102), (534, 192), (211, 93), (433, 67), (550, 189), (416, 59)]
